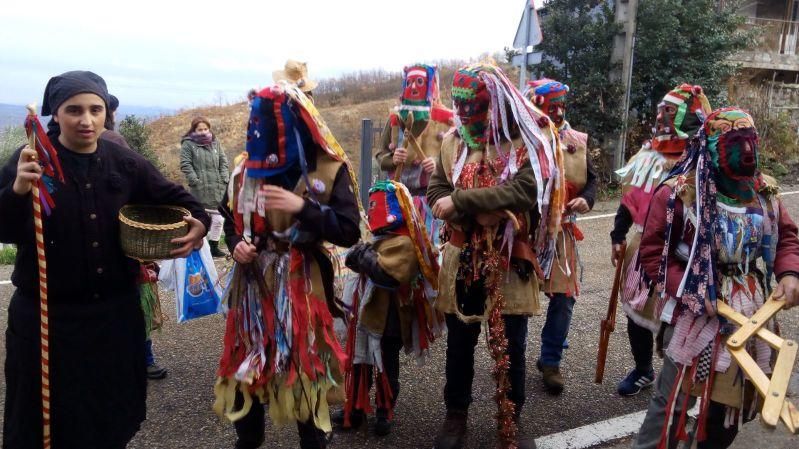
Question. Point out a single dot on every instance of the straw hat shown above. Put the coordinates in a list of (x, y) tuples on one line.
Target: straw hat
[(295, 72)]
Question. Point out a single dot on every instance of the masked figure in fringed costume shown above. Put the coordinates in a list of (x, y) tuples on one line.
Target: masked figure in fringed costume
[(410, 157), (497, 172), (561, 265), (391, 304), (292, 193), (679, 117), (719, 216)]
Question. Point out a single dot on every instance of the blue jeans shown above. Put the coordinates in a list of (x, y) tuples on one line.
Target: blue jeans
[(556, 328), (149, 356)]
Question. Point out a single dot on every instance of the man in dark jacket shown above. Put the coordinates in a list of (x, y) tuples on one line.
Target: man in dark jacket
[(96, 327)]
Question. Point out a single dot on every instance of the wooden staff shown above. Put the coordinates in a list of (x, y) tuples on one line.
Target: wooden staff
[(608, 325), (414, 145), (43, 315)]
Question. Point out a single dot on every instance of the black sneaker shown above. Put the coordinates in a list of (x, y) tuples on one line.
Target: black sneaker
[(155, 372), (635, 382)]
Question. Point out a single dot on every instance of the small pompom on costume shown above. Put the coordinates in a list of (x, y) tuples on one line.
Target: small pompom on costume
[(391, 297)]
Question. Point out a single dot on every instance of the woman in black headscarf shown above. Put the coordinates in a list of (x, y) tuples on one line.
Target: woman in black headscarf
[(97, 365)]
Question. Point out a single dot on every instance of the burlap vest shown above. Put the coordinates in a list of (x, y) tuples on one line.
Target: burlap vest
[(521, 297), (564, 277)]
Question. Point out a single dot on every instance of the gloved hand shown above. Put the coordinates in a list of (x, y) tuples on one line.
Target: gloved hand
[(352, 261), (363, 259)]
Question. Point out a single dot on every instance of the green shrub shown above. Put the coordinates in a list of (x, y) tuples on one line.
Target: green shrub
[(137, 134), (11, 138), (8, 255)]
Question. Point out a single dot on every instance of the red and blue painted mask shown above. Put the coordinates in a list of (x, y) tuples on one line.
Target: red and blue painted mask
[(385, 213), (471, 100), (275, 134)]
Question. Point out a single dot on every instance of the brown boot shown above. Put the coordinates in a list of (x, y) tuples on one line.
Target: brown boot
[(453, 430), (553, 380)]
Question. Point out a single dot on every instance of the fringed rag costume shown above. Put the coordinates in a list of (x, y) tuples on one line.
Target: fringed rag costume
[(680, 116), (279, 343), (420, 109), (716, 231), (498, 162), (561, 263), (390, 301)]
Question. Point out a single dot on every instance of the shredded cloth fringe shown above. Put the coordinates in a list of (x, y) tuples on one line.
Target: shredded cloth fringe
[(279, 343), (542, 143), (363, 347), (741, 237)]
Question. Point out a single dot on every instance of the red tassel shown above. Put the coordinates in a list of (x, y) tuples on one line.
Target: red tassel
[(670, 409), (362, 401), (383, 394), (682, 435)]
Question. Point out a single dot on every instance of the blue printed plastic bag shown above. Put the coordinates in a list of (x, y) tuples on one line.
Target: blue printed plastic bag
[(199, 297), (194, 280)]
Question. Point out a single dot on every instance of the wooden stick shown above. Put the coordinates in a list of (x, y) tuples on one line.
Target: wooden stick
[(608, 325), (788, 413), (414, 144), (44, 328), (728, 312), (753, 324), (513, 219)]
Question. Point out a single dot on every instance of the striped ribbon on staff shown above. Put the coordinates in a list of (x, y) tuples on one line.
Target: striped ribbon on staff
[(43, 315), (44, 323)]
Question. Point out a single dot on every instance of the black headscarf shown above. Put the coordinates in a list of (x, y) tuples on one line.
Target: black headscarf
[(65, 86)]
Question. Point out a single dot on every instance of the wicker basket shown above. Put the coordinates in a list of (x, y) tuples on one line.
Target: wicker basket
[(146, 231)]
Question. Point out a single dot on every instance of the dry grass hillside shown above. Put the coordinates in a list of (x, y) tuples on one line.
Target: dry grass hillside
[(343, 102), (229, 123)]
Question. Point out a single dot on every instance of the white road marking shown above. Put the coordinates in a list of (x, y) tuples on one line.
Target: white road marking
[(595, 217), (600, 432), (593, 434), (598, 217), (5, 282)]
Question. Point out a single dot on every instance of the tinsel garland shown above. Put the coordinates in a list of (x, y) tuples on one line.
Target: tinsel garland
[(498, 345)]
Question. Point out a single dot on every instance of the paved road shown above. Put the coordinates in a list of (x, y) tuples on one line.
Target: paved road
[(179, 407)]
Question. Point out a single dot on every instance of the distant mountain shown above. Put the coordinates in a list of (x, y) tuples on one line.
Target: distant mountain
[(14, 115)]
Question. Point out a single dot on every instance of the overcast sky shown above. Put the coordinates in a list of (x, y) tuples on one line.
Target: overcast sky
[(180, 54)]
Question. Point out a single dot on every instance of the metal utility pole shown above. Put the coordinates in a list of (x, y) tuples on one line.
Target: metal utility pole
[(626, 12), (367, 139)]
